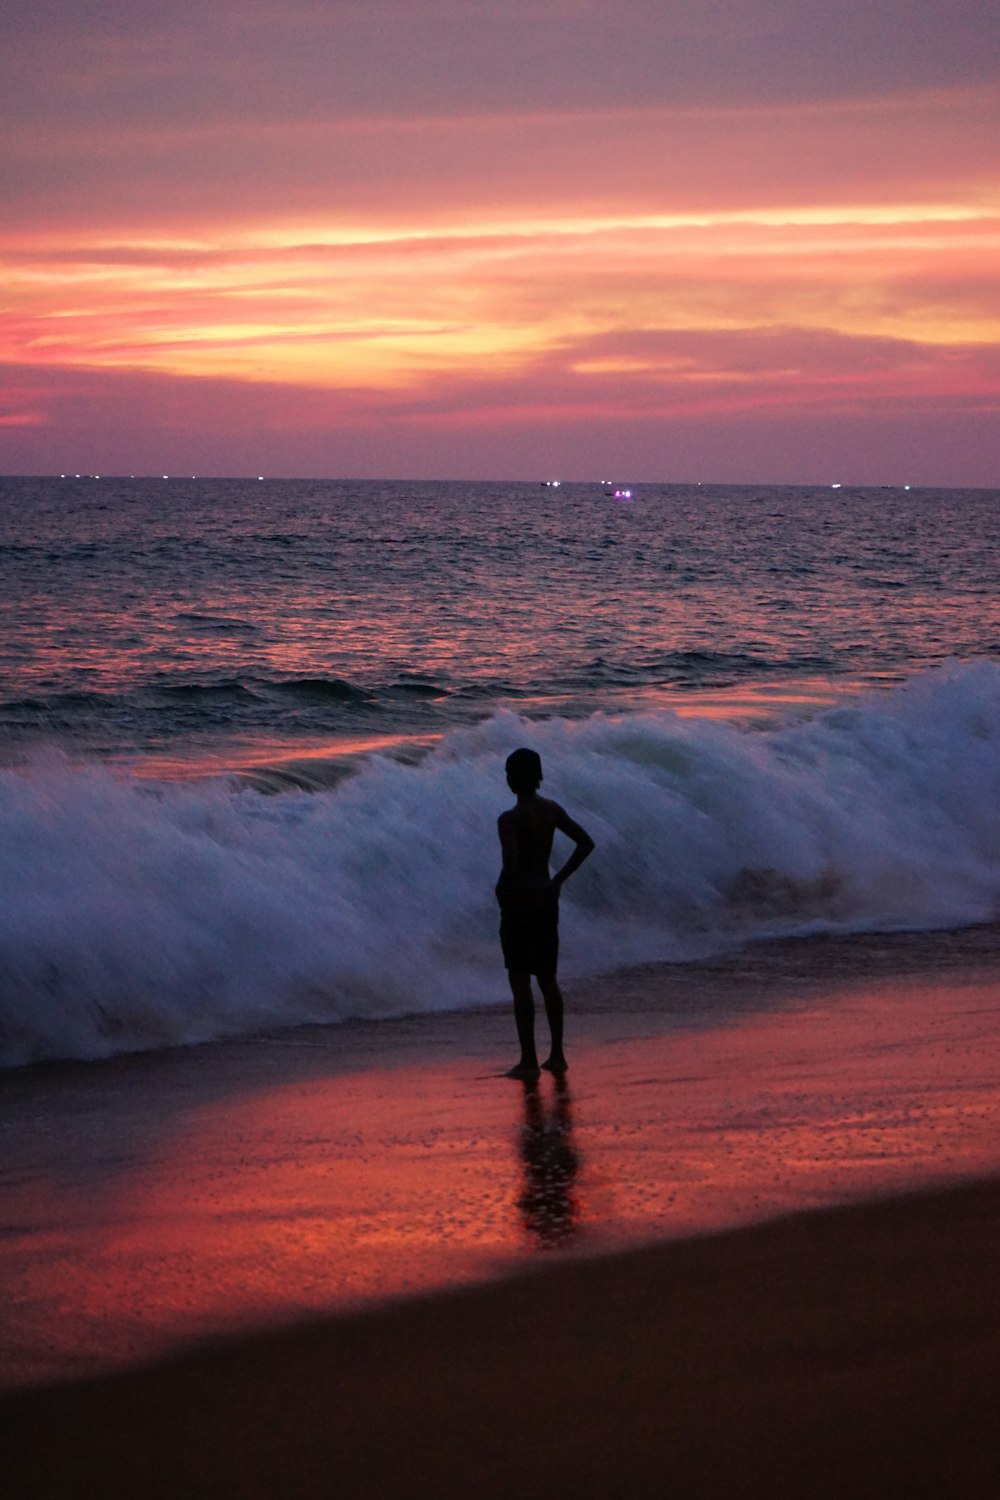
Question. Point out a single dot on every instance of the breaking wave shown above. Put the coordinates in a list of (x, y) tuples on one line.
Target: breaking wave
[(135, 915)]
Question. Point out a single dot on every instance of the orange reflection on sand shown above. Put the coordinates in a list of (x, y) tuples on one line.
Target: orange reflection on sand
[(549, 1202), (304, 1196), (268, 1180), (897, 1086)]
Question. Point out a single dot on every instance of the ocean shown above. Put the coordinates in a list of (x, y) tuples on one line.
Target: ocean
[(252, 735)]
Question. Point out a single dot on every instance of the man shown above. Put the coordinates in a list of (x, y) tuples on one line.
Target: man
[(529, 906)]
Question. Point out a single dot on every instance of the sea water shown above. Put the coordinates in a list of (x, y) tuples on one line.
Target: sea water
[(252, 735)]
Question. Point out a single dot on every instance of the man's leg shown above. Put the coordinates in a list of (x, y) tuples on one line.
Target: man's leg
[(524, 1020), (552, 995)]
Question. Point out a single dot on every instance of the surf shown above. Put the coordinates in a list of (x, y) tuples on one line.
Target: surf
[(136, 915)]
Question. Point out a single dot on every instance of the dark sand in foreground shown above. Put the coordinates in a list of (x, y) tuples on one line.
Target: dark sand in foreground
[(842, 1353), (165, 1215)]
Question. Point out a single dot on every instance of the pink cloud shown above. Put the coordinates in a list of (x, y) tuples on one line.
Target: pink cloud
[(777, 409), (233, 227)]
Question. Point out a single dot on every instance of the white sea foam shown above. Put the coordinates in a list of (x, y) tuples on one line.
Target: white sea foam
[(134, 916)]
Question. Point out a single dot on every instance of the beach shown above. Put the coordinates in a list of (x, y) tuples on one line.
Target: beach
[(415, 410), (274, 1222), (848, 1352), (755, 1257)]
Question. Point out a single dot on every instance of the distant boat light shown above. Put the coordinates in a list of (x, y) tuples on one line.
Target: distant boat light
[(623, 494)]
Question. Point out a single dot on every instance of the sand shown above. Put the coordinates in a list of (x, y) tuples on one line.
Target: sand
[(841, 1353), (454, 1258)]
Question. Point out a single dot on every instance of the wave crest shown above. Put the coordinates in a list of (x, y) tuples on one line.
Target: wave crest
[(136, 916)]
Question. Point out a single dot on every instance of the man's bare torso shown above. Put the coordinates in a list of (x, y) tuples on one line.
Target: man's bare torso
[(526, 833)]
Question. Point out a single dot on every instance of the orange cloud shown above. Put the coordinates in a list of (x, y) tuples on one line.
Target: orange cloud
[(390, 310), (257, 229)]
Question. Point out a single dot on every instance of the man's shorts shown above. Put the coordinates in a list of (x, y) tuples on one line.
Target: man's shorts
[(529, 931)]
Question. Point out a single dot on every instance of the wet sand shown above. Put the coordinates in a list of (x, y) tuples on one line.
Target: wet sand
[(237, 1233), (843, 1353)]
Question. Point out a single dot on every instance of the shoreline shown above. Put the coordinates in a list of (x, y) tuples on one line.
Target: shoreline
[(160, 1199)]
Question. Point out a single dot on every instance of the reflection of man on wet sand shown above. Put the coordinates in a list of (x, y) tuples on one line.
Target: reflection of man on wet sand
[(548, 1203), (529, 905)]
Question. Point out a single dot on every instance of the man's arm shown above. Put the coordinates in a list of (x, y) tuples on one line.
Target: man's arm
[(581, 838)]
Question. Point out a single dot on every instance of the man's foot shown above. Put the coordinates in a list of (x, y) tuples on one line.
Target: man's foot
[(525, 1070), (556, 1064)]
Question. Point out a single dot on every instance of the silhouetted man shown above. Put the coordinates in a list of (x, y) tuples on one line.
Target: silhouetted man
[(529, 905)]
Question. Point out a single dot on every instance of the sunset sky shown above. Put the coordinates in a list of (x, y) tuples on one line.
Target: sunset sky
[(732, 240)]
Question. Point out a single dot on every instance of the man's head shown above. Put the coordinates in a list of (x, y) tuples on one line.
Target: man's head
[(524, 771)]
